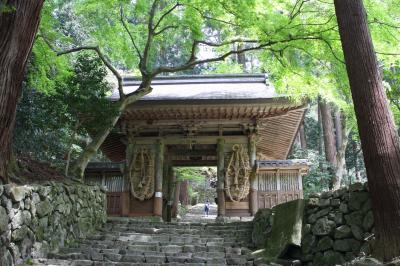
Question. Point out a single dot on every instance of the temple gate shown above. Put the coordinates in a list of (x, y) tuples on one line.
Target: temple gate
[(234, 122)]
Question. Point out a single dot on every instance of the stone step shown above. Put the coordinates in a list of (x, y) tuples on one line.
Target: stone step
[(125, 242)]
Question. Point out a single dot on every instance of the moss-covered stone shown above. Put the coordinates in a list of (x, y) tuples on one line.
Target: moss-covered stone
[(287, 228), (3, 220), (43, 208), (323, 227), (262, 225)]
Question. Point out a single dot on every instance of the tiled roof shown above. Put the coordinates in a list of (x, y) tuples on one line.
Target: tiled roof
[(204, 87)]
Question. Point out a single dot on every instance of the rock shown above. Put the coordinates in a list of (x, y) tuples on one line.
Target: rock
[(19, 233), (324, 203), (1, 190), (343, 208), (343, 231), (17, 220), (18, 193), (3, 220), (314, 195), (43, 208), (357, 232), (332, 258), (6, 258), (324, 243), (26, 217), (308, 243), (261, 227), (286, 232), (346, 245), (368, 221), (326, 194), (318, 259), (323, 226), (322, 212), (338, 218), (26, 247), (366, 206), (354, 218), (342, 245), (312, 218), (365, 249), (356, 187), (313, 202), (349, 256), (339, 193), (312, 210), (335, 202), (357, 200)]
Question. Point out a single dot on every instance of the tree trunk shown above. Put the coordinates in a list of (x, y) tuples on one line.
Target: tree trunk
[(379, 140), (328, 131), (78, 168), (320, 136), (338, 128), (303, 139), (329, 141), (17, 32), (341, 150)]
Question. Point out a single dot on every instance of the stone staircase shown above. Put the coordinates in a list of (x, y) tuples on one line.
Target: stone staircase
[(125, 241)]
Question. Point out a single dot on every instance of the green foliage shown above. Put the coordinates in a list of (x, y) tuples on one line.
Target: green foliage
[(391, 75), (47, 122), (189, 173)]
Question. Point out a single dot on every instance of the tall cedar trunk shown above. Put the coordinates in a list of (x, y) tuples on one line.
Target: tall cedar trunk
[(338, 128), (329, 141), (17, 33), (320, 135), (379, 140), (184, 193), (303, 139)]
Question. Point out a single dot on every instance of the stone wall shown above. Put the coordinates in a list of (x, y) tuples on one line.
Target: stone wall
[(338, 226), (36, 219)]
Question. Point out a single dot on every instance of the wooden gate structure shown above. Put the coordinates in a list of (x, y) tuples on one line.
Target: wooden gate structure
[(234, 122)]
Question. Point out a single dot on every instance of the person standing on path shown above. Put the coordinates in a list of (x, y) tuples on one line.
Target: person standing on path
[(206, 208)]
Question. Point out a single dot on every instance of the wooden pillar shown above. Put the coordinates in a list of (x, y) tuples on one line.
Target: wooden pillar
[(221, 177), (170, 197), (158, 178), (253, 195), (278, 187)]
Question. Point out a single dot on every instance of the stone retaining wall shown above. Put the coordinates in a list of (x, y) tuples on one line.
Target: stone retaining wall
[(36, 219), (337, 227)]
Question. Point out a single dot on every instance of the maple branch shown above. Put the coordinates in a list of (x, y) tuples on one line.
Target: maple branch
[(129, 33)]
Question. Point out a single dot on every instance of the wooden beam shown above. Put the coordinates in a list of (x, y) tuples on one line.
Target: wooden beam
[(190, 163), (176, 140), (188, 152)]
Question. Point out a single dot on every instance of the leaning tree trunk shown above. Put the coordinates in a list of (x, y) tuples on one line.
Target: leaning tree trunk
[(17, 32), (379, 140), (79, 166)]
